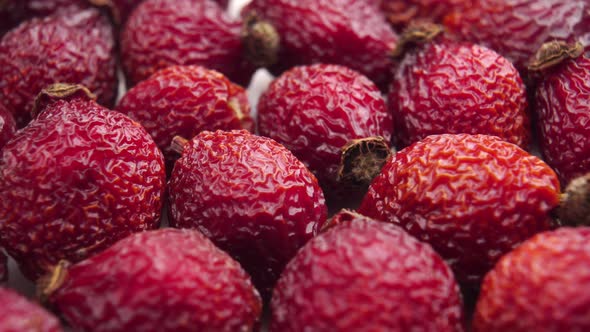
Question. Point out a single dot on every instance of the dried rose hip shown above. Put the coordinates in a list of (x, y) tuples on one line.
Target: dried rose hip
[(7, 126), (13, 12), (163, 280), (3, 267), (540, 286), (21, 315), (472, 197), (183, 101), (345, 32), (517, 28), (75, 180), (76, 48), (443, 86), (400, 13), (250, 195), (333, 119), (561, 105), (364, 275)]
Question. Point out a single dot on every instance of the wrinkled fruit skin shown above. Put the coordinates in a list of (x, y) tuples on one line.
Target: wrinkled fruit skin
[(164, 280), (74, 181), (517, 28), (472, 197), (364, 275), (345, 32), (161, 33), (3, 267), (7, 126), (562, 109), (450, 87), (77, 48), (401, 12), (183, 101), (315, 110), (540, 286), (251, 196), (13, 12), (21, 315)]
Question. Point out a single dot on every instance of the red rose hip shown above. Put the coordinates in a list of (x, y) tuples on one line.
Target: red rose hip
[(400, 13), (21, 315), (13, 12)]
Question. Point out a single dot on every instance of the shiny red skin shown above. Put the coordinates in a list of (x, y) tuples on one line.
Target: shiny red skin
[(543, 285), (517, 28), (183, 101), (452, 87), (77, 48), (161, 33), (163, 280), (472, 197), (401, 12), (345, 32), (13, 12), (251, 196), (22, 315), (562, 99), (3, 267), (7, 126), (364, 275), (315, 110), (73, 182)]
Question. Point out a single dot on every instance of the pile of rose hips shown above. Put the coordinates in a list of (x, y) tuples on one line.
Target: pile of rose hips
[(303, 209)]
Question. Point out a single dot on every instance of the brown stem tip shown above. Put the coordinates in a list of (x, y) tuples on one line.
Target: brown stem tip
[(574, 208), (362, 160), (52, 281), (417, 33), (554, 53), (59, 91), (261, 41), (178, 144)]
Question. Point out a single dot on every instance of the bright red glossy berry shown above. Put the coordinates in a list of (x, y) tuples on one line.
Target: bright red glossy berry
[(364, 275), (7, 126), (77, 48), (400, 13), (183, 101), (472, 197), (165, 280), (540, 286), (74, 181), (251, 196), (21, 315)]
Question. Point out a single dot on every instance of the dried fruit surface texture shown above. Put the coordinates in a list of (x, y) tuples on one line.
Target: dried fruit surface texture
[(316, 110), (73, 182), (21, 315), (251, 196), (540, 286), (562, 99), (346, 32), (517, 28), (164, 280), (364, 275), (7, 126), (13, 12), (183, 101), (401, 12), (161, 33), (76, 48), (451, 87), (472, 197)]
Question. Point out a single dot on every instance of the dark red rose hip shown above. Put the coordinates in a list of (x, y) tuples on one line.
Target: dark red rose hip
[(77, 48), (163, 280), (250, 195), (75, 180), (183, 101), (472, 197), (7, 126), (400, 13), (13, 12), (364, 275), (21, 315)]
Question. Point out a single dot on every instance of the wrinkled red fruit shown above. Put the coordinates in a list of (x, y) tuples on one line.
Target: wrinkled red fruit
[(315, 111), (76, 48), (21, 315), (401, 12), (251, 196), (517, 28), (346, 32), (543, 285), (164, 280), (3, 267), (183, 101), (7, 126), (472, 197), (364, 275), (562, 99), (74, 181), (161, 33), (445, 86)]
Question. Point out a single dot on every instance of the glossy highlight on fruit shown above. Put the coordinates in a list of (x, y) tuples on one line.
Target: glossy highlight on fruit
[(540, 286), (472, 197), (250, 196), (7, 126), (21, 315), (364, 275)]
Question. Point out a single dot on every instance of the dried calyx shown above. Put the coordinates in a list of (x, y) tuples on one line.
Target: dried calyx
[(554, 53), (574, 208), (56, 92), (362, 160), (52, 281), (178, 144), (261, 41), (416, 34)]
